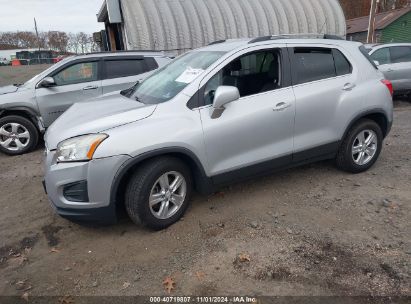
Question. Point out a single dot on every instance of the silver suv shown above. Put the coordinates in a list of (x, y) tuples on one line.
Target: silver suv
[(27, 110), (223, 113), (394, 60)]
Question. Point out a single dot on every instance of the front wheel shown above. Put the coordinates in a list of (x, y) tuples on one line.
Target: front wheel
[(361, 147), (159, 192), (18, 135)]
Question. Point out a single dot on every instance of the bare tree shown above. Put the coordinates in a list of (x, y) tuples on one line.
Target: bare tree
[(54, 40), (359, 8), (58, 41), (83, 39)]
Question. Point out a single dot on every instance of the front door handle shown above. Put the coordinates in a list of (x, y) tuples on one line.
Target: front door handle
[(282, 106), (90, 88), (348, 86)]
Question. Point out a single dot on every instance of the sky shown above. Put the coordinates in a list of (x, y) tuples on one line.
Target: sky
[(59, 15)]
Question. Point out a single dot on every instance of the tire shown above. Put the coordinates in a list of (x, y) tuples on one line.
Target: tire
[(145, 183), (23, 134), (347, 159)]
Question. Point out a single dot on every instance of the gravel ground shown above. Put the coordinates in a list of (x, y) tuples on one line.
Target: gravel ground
[(307, 231)]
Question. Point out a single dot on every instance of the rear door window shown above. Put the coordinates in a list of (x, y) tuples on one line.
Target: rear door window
[(126, 67), (382, 56), (400, 54), (313, 64)]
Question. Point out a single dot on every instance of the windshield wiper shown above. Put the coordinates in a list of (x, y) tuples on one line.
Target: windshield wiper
[(136, 98)]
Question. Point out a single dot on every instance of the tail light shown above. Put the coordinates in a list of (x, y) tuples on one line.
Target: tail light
[(388, 84)]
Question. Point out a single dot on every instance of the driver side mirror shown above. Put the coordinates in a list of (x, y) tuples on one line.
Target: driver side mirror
[(223, 95), (47, 82)]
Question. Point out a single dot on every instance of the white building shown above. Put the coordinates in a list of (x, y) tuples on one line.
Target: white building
[(181, 25)]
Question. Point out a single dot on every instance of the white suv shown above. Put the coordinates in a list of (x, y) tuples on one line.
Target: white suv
[(216, 115)]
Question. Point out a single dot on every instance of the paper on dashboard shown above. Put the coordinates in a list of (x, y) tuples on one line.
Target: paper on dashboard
[(189, 75)]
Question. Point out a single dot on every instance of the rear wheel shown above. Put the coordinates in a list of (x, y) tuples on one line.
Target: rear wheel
[(18, 135), (361, 147), (158, 193)]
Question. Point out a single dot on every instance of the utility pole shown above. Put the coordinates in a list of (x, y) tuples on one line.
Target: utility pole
[(38, 39), (37, 32), (371, 23)]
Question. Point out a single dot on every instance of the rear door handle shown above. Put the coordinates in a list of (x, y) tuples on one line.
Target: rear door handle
[(282, 106), (390, 70), (90, 88), (348, 86)]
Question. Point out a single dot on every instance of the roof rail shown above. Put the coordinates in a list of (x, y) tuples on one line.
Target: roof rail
[(296, 36), (123, 51), (217, 42)]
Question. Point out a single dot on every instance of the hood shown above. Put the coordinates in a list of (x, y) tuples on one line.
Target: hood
[(8, 89), (96, 116)]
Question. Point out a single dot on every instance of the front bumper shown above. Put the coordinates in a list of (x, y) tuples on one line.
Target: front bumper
[(98, 175)]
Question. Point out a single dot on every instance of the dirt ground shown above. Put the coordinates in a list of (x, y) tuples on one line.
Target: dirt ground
[(18, 74), (307, 231)]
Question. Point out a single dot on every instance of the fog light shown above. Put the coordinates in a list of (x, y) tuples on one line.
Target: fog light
[(76, 192)]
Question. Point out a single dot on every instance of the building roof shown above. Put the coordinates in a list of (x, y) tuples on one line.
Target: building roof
[(110, 11), (382, 20), (181, 25)]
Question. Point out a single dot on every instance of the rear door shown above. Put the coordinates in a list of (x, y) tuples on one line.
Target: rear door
[(322, 78), (76, 81), (123, 72)]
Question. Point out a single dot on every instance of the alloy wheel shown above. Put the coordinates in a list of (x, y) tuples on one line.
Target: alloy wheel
[(14, 136), (167, 195), (364, 147)]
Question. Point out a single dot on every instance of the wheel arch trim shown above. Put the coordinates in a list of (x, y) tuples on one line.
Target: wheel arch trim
[(29, 113), (201, 177), (378, 111)]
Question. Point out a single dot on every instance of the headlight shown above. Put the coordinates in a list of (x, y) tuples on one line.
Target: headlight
[(79, 148)]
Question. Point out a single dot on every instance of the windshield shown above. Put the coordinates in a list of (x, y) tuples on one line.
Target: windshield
[(170, 80)]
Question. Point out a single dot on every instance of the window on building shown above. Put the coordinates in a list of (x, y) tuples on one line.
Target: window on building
[(252, 74), (77, 73), (400, 54)]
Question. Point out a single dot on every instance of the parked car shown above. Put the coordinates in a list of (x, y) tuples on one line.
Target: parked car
[(219, 114), (27, 110), (4, 61), (394, 60)]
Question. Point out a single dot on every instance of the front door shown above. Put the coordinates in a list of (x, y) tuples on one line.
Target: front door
[(77, 82), (254, 133)]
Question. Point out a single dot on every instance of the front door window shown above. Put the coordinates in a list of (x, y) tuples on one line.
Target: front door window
[(252, 74), (77, 73)]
